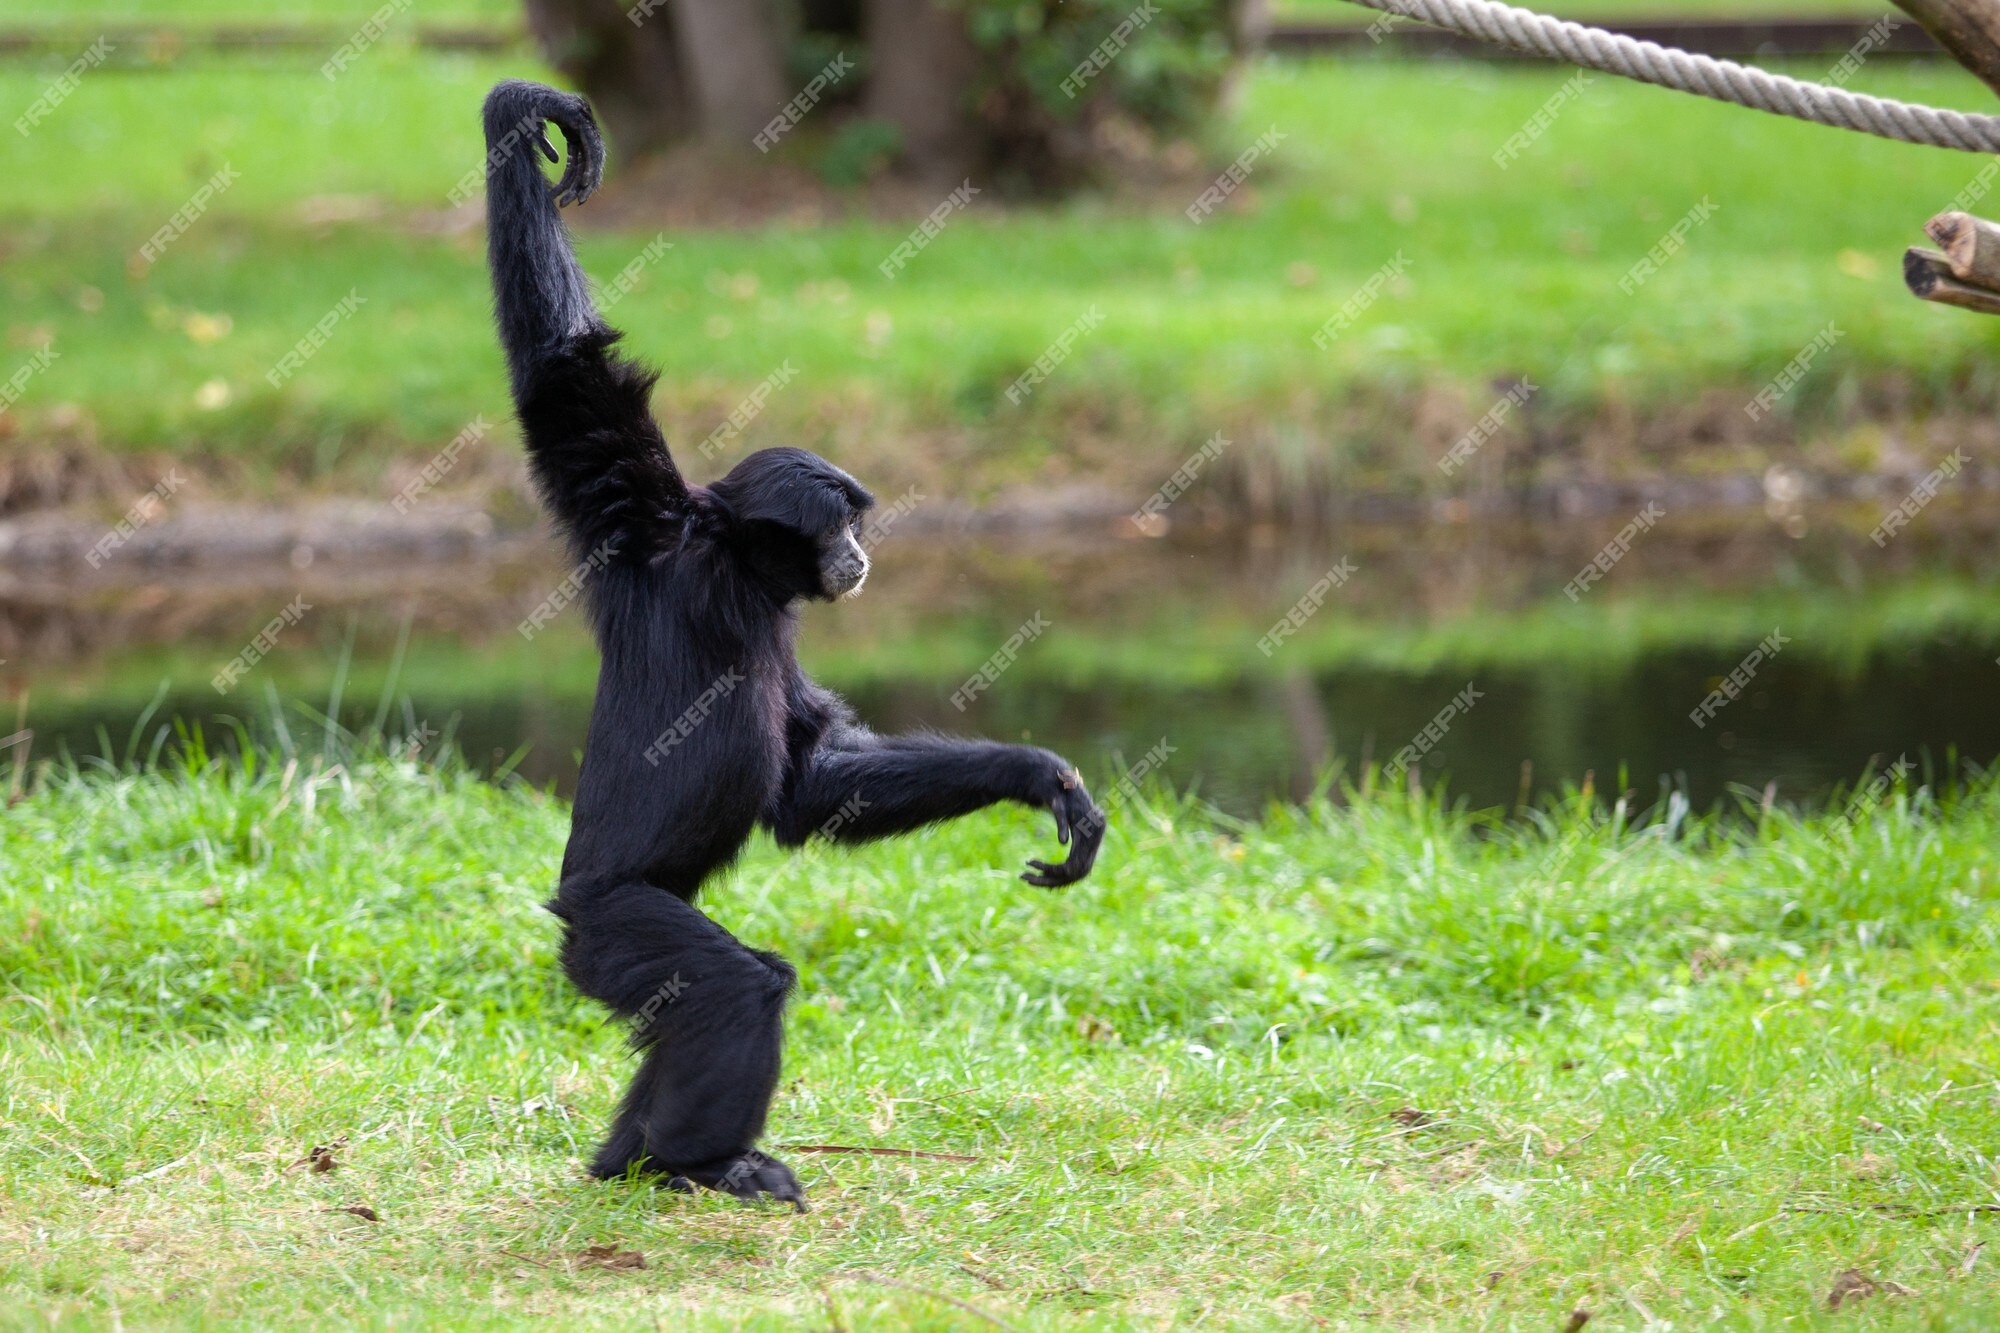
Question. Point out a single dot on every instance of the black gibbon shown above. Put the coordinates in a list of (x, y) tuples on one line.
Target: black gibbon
[(704, 725)]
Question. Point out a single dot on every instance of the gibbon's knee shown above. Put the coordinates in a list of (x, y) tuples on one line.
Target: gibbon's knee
[(638, 948), (782, 978)]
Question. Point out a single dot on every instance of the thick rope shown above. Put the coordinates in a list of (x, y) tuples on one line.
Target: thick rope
[(1704, 76)]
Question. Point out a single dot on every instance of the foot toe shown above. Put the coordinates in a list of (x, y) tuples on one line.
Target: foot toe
[(753, 1176)]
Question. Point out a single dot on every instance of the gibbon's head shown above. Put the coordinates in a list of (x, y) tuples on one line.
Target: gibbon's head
[(795, 519)]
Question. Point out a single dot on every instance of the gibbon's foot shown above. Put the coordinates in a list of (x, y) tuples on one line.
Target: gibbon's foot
[(520, 111), (585, 169), (571, 114), (748, 1176)]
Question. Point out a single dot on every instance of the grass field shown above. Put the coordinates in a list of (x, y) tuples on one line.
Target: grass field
[(1372, 1062), (1509, 271)]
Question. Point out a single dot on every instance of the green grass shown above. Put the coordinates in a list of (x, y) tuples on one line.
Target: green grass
[(1375, 1062), (1208, 327)]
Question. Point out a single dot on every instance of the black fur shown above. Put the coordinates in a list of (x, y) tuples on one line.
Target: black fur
[(704, 726)]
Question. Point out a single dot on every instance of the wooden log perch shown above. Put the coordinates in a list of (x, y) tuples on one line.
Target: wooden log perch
[(1929, 275), (1971, 246), (1969, 29), (1967, 274)]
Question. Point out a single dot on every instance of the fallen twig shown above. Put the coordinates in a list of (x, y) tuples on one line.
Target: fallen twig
[(876, 1152), (1754, 1226), (156, 1171), (1895, 1209), (1447, 1150), (1576, 1142)]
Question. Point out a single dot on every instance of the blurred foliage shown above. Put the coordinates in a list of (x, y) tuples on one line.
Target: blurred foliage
[(1158, 64), (859, 149), (1062, 91)]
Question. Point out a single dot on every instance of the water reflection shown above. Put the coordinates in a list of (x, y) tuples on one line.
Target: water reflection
[(1891, 653)]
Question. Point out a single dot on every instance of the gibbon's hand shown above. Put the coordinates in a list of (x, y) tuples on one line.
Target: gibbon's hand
[(1078, 818), (585, 169)]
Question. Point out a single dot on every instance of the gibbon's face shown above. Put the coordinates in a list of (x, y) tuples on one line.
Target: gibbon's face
[(843, 564), (796, 521)]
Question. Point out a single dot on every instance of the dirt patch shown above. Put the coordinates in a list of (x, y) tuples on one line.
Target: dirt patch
[(47, 476), (350, 531), (500, 524)]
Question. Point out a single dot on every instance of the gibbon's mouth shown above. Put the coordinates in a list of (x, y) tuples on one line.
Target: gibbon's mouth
[(841, 590)]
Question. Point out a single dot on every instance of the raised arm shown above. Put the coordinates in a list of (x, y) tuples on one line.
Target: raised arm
[(854, 786), (598, 457)]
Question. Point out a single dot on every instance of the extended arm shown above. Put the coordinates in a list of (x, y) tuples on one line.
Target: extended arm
[(597, 454), (855, 786)]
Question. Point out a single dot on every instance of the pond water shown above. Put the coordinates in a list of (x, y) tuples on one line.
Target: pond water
[(1870, 654)]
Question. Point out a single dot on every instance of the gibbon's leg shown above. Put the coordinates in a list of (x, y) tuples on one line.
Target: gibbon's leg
[(707, 1012)]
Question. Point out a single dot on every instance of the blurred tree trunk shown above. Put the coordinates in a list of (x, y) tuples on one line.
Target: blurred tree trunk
[(922, 65), (970, 87), (735, 70)]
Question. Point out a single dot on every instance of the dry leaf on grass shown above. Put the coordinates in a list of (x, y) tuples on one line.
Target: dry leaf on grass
[(321, 1159), (1868, 1166), (1093, 1028), (610, 1256), (1855, 1285)]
